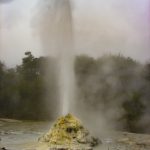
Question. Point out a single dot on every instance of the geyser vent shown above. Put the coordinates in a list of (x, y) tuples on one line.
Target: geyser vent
[(68, 133)]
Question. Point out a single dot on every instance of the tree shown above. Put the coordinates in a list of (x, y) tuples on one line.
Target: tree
[(134, 110), (2, 74), (8, 91), (147, 72), (30, 87)]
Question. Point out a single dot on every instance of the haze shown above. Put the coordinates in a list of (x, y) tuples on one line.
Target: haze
[(100, 27)]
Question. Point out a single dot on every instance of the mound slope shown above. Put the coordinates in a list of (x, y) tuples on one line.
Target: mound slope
[(69, 133)]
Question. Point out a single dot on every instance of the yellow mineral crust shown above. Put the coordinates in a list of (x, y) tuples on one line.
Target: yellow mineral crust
[(66, 130)]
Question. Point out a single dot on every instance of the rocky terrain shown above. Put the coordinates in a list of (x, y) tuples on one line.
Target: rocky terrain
[(69, 133), (19, 135)]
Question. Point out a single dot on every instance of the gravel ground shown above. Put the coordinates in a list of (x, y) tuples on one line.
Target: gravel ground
[(18, 135)]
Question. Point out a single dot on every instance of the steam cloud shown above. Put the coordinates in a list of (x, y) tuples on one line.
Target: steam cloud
[(113, 27), (55, 30), (100, 27), (5, 1)]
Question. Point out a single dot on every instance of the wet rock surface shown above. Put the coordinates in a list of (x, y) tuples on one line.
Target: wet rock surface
[(3, 148), (127, 141), (24, 136)]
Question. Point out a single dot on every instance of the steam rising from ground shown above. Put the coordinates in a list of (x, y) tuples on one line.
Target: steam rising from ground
[(109, 29), (101, 26), (55, 30)]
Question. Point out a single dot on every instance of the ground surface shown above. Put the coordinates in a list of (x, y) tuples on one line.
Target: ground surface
[(19, 135)]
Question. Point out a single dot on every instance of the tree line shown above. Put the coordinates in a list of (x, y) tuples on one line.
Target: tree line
[(115, 85)]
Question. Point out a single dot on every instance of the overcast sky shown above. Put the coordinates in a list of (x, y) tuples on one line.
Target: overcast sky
[(100, 26)]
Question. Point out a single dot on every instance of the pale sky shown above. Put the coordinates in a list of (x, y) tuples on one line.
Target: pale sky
[(100, 27)]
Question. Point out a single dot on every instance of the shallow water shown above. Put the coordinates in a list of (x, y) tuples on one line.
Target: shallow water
[(23, 135), (16, 135)]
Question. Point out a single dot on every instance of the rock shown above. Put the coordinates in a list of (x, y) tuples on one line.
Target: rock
[(95, 141), (126, 140), (68, 133), (3, 148), (61, 147)]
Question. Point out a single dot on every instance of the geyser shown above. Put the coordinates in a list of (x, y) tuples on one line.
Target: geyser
[(56, 32), (64, 46)]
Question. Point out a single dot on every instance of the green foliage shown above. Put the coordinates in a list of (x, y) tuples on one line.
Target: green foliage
[(22, 90), (147, 72), (31, 88), (7, 91), (134, 109), (106, 85)]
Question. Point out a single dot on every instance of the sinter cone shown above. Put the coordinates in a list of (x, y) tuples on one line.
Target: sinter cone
[(68, 131)]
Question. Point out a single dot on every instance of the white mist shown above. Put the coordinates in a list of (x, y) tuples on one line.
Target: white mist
[(66, 56), (56, 33)]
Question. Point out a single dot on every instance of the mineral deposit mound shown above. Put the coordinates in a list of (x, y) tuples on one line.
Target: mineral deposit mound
[(68, 133)]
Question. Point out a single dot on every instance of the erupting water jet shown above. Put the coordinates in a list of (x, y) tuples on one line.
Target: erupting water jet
[(56, 32), (67, 132)]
